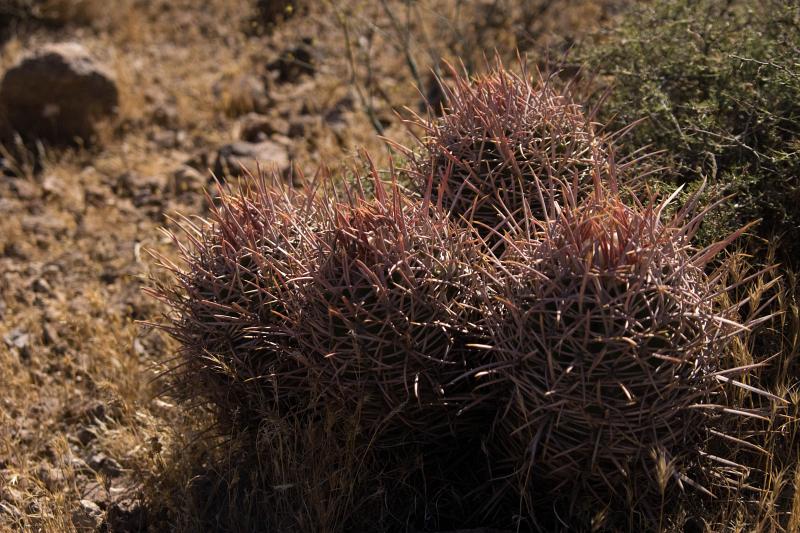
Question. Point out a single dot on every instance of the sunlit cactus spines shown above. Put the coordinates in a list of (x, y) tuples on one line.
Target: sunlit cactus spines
[(501, 141), (287, 298), (520, 332)]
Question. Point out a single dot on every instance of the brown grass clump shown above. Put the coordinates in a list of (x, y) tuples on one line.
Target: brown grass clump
[(612, 350), (501, 141)]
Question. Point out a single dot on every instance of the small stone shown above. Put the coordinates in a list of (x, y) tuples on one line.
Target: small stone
[(201, 161), (242, 94), (20, 341), (58, 92), (25, 436), (97, 411), (166, 115), (282, 140), (100, 462), (127, 516), (85, 436), (41, 285), (95, 195), (87, 516), (52, 185), (299, 127), (257, 128), (164, 111), (50, 334), (187, 179), (133, 185), (294, 62), (239, 158), (25, 189), (165, 139), (336, 114), (95, 491)]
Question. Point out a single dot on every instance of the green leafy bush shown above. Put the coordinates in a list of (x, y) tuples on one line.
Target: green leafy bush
[(718, 87)]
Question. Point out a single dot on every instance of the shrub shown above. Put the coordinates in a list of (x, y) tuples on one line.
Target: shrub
[(719, 86), (500, 138)]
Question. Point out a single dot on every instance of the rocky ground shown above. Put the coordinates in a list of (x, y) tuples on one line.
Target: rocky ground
[(172, 91)]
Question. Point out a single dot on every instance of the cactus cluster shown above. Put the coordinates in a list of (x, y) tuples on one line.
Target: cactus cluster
[(585, 355)]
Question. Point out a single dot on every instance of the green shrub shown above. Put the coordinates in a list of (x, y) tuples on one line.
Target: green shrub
[(718, 86)]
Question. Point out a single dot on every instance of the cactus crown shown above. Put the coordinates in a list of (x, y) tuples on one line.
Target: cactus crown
[(385, 306), (501, 145)]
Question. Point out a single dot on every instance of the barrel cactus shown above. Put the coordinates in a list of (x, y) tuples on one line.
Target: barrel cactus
[(493, 156), (359, 300), (227, 303), (608, 351), (386, 314), (296, 308)]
